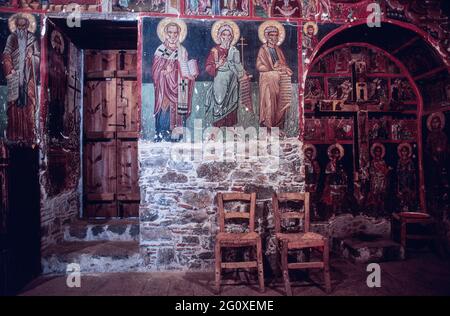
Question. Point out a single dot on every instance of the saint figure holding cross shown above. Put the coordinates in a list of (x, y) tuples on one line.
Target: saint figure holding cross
[(224, 64), (173, 75)]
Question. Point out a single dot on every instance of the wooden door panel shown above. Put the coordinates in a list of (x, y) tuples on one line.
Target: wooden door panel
[(111, 133), (127, 105), (100, 106), (129, 209), (127, 168), (100, 167), (96, 61)]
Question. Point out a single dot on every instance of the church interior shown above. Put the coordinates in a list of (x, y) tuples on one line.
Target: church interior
[(225, 147)]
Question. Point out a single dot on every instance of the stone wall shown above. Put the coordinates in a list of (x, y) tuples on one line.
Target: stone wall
[(178, 213)]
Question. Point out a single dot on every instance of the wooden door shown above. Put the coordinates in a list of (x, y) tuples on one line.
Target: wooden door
[(111, 186)]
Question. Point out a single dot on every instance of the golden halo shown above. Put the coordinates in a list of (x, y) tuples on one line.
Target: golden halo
[(218, 24), (306, 146), (31, 19), (372, 149), (400, 147), (57, 34), (314, 25), (162, 25), (439, 115), (339, 147), (278, 25)]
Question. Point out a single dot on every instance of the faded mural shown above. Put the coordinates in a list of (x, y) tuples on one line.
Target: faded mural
[(240, 74)]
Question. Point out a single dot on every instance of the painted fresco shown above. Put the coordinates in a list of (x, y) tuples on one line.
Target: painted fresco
[(20, 75), (217, 7), (157, 6), (323, 10), (240, 74)]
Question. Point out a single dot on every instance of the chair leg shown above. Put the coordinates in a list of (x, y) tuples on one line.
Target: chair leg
[(218, 272), (326, 268), (284, 268), (259, 257)]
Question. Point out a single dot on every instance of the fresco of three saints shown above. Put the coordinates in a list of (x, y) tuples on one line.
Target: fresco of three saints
[(224, 73)]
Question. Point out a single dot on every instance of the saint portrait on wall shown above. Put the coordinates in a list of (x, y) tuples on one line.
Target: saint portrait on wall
[(21, 58), (310, 40), (406, 178), (379, 172), (336, 181), (57, 83), (174, 76), (275, 87), (437, 153), (224, 65)]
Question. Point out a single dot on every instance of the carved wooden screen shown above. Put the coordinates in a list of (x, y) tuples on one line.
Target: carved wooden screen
[(111, 132)]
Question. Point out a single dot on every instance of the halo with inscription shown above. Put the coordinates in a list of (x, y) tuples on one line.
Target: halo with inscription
[(219, 25), (31, 22), (163, 23), (281, 31), (439, 115), (308, 24)]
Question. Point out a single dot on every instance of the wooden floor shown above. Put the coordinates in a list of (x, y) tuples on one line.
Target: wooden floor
[(421, 274)]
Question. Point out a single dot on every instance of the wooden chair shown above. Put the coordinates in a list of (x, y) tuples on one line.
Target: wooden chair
[(306, 240), (250, 238), (407, 218)]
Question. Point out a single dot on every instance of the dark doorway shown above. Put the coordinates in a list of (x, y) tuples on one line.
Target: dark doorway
[(23, 240)]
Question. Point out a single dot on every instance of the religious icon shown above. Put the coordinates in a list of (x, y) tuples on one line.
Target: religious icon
[(217, 7), (312, 174), (314, 9), (275, 88), (21, 58), (57, 83), (174, 76), (286, 8), (336, 180), (406, 178), (309, 41), (314, 129), (437, 153), (401, 91), (340, 89), (230, 78), (379, 173), (314, 88)]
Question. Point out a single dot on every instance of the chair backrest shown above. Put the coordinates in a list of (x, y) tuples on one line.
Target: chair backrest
[(243, 197), (286, 197)]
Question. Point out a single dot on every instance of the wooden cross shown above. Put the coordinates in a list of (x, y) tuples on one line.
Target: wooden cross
[(242, 44)]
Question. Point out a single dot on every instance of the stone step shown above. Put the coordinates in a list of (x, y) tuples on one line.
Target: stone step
[(93, 257), (364, 251), (102, 230)]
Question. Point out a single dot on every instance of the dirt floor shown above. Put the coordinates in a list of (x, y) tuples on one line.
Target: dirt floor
[(421, 274)]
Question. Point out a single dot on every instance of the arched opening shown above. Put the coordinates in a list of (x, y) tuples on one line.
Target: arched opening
[(373, 86)]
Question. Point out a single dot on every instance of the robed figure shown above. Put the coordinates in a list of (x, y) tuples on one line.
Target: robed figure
[(20, 66), (57, 83), (275, 88), (173, 75), (224, 64)]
